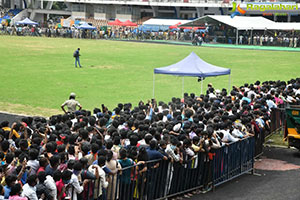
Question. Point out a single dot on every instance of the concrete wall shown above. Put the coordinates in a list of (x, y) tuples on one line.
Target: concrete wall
[(123, 17), (78, 15), (99, 15)]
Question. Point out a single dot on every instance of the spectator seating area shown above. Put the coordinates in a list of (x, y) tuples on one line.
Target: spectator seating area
[(152, 150), (9, 13)]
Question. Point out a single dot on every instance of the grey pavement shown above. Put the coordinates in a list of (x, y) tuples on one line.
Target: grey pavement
[(270, 185)]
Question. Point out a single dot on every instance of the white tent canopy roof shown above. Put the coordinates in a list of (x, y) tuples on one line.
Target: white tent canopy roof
[(165, 22), (285, 26), (245, 23)]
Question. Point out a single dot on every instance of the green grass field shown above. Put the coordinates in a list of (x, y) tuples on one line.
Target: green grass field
[(38, 74)]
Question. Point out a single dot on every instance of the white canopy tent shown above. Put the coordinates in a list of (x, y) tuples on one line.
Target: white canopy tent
[(285, 26), (238, 22), (244, 23)]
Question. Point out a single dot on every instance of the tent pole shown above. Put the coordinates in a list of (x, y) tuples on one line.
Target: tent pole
[(237, 37), (251, 41), (182, 86), (229, 83), (201, 84), (153, 85)]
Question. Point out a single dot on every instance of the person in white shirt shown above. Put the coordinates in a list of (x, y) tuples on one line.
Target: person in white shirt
[(29, 189), (227, 137), (33, 163), (50, 184), (101, 181)]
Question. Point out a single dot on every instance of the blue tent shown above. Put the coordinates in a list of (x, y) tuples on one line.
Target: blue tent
[(86, 26), (27, 22), (6, 17), (193, 66)]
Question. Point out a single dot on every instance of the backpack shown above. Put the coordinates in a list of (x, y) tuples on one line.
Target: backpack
[(75, 54)]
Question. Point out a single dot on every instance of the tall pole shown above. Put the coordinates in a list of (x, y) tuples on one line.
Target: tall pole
[(251, 40), (229, 83), (153, 85), (237, 37), (201, 84), (182, 86)]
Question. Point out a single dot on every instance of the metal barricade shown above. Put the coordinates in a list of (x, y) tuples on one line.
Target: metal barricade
[(233, 160), (164, 179), (277, 120)]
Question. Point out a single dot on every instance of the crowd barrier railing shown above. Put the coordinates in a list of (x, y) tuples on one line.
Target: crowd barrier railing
[(164, 179), (233, 160), (278, 118)]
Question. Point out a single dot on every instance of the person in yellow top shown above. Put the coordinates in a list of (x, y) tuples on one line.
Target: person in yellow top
[(12, 130)]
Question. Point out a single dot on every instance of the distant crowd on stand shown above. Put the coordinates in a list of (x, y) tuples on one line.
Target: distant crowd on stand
[(131, 33), (56, 158), (269, 40)]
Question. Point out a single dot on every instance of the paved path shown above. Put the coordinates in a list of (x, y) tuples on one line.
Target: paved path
[(271, 185), (9, 117)]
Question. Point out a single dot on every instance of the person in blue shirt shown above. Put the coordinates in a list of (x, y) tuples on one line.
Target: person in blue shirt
[(152, 152), (76, 56), (10, 181)]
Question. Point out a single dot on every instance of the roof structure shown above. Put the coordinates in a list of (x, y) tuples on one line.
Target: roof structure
[(86, 26), (244, 23), (27, 21)]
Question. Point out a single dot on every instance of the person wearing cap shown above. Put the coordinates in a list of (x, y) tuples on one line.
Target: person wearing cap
[(71, 104), (76, 56)]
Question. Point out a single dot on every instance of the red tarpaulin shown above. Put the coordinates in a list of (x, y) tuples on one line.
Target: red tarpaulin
[(128, 23), (194, 28), (115, 23), (119, 23), (175, 26)]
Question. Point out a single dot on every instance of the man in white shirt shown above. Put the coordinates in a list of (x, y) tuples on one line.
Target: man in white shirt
[(100, 174), (29, 189), (76, 187), (50, 184)]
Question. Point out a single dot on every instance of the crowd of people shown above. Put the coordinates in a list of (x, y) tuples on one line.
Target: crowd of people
[(57, 158), (270, 40), (131, 33)]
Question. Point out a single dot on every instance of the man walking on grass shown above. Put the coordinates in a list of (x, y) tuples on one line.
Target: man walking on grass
[(76, 56)]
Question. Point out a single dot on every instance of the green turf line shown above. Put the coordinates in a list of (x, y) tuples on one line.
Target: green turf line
[(268, 48)]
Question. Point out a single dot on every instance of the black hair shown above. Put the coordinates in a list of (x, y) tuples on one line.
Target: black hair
[(77, 165), (66, 175), (54, 161), (15, 189), (101, 160), (10, 179), (56, 175), (42, 176), (31, 180), (33, 154), (123, 153)]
